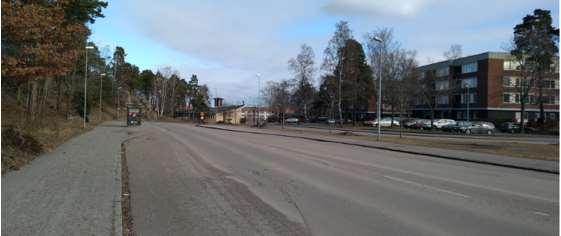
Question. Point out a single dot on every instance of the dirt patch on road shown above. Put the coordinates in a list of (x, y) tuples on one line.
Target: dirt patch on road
[(125, 197)]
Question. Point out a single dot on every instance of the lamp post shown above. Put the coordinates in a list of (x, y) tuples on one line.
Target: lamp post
[(467, 100), (379, 110), (100, 91), (258, 97), (340, 82), (86, 83)]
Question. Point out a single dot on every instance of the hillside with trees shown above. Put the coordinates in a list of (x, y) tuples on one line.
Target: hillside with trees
[(45, 78)]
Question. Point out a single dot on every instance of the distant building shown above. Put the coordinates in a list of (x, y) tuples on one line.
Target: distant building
[(486, 81), (231, 114)]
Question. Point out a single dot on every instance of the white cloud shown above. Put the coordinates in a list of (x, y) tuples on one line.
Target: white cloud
[(377, 7)]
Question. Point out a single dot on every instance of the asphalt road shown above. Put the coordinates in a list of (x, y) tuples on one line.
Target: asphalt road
[(188, 180)]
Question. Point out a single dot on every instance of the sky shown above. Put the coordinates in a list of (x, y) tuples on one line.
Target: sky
[(233, 45)]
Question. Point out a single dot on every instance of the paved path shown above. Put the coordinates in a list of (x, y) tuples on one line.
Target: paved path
[(188, 180), (74, 190)]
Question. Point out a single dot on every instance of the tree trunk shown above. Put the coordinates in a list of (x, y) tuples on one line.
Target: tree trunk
[(541, 120), (33, 100), (522, 108)]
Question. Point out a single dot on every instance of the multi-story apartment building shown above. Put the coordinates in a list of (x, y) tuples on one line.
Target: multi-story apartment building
[(483, 87)]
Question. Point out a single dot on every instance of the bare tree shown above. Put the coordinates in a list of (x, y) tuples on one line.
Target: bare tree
[(453, 53), (303, 69)]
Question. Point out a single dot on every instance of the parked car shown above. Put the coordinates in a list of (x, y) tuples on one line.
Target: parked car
[(478, 127), (456, 128), (292, 120), (321, 119), (369, 122), (330, 121), (385, 122), (512, 127), (422, 124), (442, 122), (410, 123)]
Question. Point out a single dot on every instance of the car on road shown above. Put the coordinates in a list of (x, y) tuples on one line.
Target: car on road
[(478, 127), (442, 122), (292, 120)]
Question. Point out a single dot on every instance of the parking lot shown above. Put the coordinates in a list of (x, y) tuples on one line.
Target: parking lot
[(434, 134)]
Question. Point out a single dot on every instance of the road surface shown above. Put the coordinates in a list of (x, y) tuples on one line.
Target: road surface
[(187, 180)]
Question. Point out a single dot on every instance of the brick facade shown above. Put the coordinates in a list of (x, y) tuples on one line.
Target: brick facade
[(489, 94)]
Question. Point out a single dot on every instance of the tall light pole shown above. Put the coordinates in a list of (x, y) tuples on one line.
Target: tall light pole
[(258, 97), (100, 91), (467, 100), (86, 83), (378, 112)]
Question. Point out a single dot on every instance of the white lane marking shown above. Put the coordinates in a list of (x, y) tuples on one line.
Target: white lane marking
[(540, 213), (427, 186)]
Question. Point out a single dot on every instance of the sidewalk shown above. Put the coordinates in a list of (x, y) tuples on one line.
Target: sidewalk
[(506, 161), (74, 190)]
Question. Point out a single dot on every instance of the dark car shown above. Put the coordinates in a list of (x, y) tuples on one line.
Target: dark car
[(478, 127), (512, 127), (458, 127)]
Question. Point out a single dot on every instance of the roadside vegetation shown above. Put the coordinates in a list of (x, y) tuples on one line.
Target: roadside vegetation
[(352, 68), (44, 70)]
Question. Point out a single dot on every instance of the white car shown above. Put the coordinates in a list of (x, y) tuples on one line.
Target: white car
[(386, 122), (443, 122), (292, 120)]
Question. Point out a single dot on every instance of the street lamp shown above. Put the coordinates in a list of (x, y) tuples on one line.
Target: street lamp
[(100, 91), (258, 75), (467, 98), (380, 41), (86, 83)]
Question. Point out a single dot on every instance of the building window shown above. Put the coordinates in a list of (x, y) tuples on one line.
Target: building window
[(469, 83), (466, 97), (441, 72), (442, 85), (553, 99), (506, 98), (469, 68), (442, 99), (511, 65), (511, 81), (550, 84)]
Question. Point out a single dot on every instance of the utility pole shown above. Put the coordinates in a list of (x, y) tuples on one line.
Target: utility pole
[(100, 91), (86, 83), (380, 41), (258, 98), (467, 100)]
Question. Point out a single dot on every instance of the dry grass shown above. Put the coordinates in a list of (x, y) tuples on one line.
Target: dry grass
[(53, 130)]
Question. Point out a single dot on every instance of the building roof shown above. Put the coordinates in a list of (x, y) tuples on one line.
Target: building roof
[(225, 108), (465, 60)]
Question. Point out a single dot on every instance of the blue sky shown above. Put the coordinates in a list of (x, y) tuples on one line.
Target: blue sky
[(226, 43)]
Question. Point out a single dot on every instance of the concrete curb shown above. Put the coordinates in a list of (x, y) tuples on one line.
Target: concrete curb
[(543, 168)]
